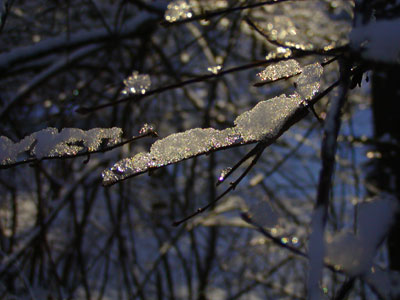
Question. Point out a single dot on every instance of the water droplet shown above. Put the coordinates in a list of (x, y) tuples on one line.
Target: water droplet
[(146, 128), (224, 172), (284, 240), (215, 69)]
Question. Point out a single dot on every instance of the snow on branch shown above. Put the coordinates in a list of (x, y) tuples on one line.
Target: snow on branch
[(263, 123), (49, 143)]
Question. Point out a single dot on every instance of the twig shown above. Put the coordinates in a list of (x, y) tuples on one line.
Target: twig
[(210, 14), (231, 187), (86, 110)]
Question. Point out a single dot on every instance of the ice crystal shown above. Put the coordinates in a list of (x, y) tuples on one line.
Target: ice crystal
[(308, 83), (178, 10), (51, 143), (282, 69), (137, 83)]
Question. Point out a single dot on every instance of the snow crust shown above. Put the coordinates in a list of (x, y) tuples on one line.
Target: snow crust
[(378, 41), (51, 143)]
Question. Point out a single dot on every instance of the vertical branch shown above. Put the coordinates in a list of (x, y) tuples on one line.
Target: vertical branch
[(328, 151)]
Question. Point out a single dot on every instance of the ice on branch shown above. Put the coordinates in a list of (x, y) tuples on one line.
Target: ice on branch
[(282, 69), (265, 122), (378, 41), (308, 83), (178, 10), (51, 143), (137, 83), (354, 253)]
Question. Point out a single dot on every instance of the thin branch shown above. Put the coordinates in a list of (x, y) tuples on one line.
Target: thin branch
[(333, 51), (201, 78), (231, 187), (328, 151), (210, 14), (135, 27)]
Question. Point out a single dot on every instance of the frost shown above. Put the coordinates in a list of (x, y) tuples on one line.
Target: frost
[(378, 41), (308, 83), (51, 143), (178, 10), (137, 83), (354, 253), (267, 118), (282, 69)]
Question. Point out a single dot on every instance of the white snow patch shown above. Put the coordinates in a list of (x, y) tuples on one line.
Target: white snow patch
[(378, 41), (354, 253)]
